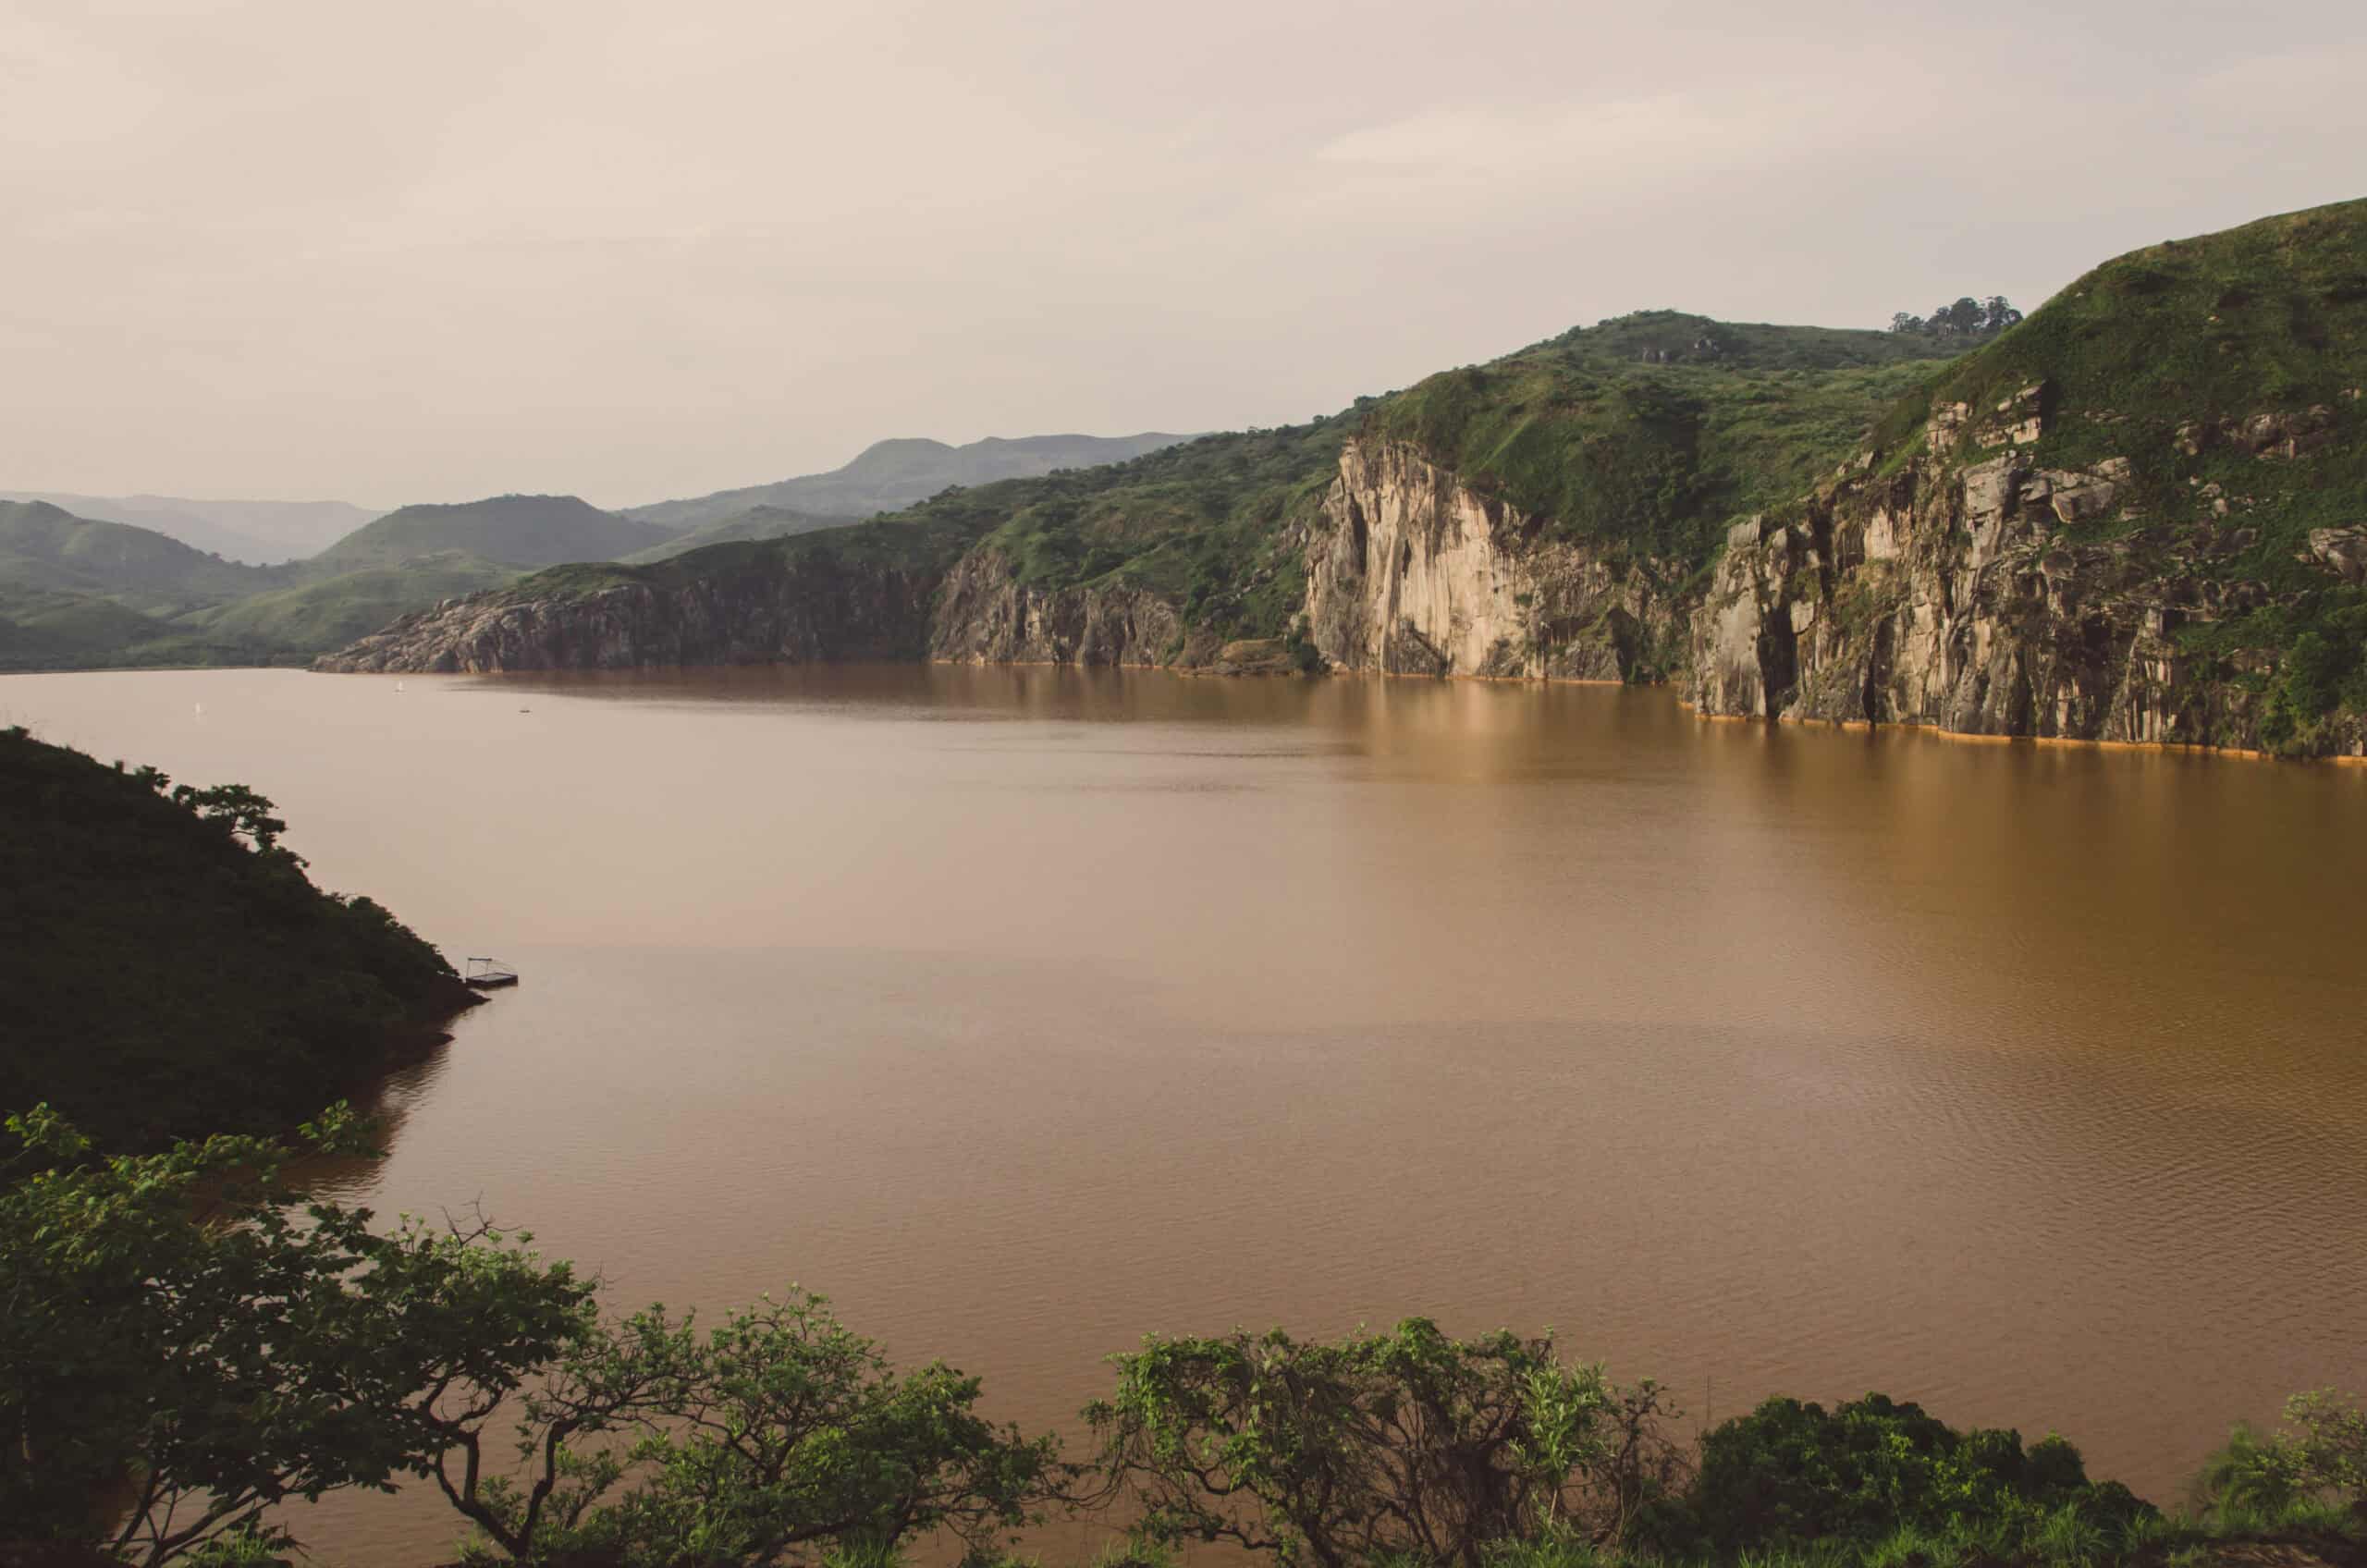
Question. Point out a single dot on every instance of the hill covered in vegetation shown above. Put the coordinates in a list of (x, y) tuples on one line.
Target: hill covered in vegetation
[(761, 521), (1176, 554), (170, 970), (2133, 516), (888, 476), (46, 549), (520, 530), (2136, 516), (256, 532)]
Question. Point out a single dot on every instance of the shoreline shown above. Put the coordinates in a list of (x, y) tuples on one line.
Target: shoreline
[(2352, 760)]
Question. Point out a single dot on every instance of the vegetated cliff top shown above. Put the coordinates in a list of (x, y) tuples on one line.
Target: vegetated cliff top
[(890, 476), (2270, 315), (522, 531), (164, 977), (1208, 523), (1647, 436)]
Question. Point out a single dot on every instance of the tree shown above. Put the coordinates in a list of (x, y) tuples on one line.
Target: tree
[(2319, 1457), (780, 1430), (1791, 1473), (237, 808), (173, 1331), (1406, 1444)]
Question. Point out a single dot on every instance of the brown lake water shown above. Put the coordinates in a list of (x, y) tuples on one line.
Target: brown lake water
[(1024, 1011)]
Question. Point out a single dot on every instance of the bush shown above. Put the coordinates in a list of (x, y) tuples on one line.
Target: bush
[(1791, 1473)]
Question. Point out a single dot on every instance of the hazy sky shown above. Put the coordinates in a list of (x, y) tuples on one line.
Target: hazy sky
[(429, 251)]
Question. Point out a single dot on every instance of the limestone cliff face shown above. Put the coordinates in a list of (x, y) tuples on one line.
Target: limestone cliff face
[(1411, 571), (816, 611), (1949, 594), (985, 615)]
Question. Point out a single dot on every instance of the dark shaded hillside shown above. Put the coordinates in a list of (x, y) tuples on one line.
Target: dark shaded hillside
[(167, 977), (890, 476), (521, 531)]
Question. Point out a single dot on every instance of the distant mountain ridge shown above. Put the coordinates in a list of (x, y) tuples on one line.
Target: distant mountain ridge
[(255, 532), (890, 476), (523, 531)]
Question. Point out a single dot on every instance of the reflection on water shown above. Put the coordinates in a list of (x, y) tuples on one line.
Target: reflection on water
[(1026, 1010)]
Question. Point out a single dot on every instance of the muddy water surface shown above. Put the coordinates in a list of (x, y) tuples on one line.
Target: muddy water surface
[(1025, 1012)]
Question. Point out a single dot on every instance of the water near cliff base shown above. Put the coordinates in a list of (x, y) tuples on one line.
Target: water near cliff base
[(1026, 1010)]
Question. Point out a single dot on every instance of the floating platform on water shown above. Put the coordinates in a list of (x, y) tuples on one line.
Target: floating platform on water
[(488, 974)]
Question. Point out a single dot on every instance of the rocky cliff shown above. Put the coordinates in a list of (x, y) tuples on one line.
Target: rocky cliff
[(2002, 597), (986, 614), (1411, 570), (2135, 516), (776, 609)]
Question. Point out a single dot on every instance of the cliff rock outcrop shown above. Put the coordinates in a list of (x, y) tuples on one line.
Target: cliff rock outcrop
[(985, 615), (1411, 571), (1962, 596), (813, 609)]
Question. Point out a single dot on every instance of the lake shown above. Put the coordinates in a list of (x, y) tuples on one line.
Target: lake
[(1024, 1011)]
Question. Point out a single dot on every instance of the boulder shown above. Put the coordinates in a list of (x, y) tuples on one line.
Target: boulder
[(2342, 551)]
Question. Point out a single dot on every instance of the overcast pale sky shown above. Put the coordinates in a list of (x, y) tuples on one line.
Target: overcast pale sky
[(430, 251)]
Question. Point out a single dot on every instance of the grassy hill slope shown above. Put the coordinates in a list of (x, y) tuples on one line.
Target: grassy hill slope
[(258, 532), (2228, 373), (331, 612), (166, 977), (44, 547), (756, 523), (521, 531), (890, 476)]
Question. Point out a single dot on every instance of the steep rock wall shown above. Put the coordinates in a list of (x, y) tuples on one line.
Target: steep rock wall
[(1411, 571), (816, 611), (985, 615), (1964, 597)]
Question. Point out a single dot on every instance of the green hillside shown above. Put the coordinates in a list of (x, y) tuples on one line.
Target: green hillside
[(332, 611), (2226, 372), (890, 476), (169, 976), (521, 531), (756, 523), (1584, 426), (43, 547)]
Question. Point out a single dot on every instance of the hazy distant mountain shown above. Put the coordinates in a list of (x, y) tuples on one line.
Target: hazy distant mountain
[(259, 532), (526, 530), (47, 548), (891, 475), (756, 523)]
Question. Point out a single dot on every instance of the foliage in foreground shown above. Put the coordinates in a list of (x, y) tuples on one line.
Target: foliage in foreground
[(175, 1335), (1406, 1445), (183, 1346)]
